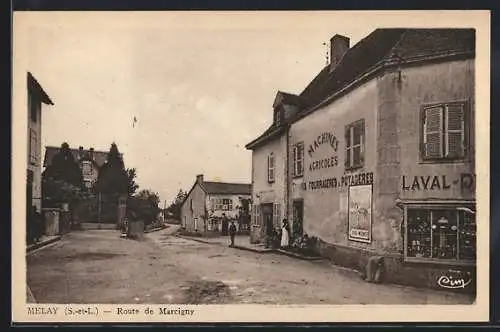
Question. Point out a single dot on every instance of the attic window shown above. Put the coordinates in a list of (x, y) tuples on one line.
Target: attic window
[(278, 115)]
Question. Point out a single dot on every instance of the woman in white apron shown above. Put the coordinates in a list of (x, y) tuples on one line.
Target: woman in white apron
[(285, 237)]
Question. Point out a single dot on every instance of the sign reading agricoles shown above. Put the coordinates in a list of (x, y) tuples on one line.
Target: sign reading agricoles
[(325, 138)]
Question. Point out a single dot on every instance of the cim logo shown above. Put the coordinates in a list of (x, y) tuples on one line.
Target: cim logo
[(454, 280)]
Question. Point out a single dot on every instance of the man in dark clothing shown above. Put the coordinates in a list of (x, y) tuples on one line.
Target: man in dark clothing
[(225, 224), (232, 232)]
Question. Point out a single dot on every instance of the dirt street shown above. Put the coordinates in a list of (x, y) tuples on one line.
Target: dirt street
[(100, 267)]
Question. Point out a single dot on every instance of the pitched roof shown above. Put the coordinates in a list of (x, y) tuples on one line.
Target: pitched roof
[(227, 188), (385, 47), (35, 88), (100, 157), (382, 47)]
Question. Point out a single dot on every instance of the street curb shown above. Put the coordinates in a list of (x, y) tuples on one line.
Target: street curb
[(156, 229), (42, 244), (265, 251), (294, 255)]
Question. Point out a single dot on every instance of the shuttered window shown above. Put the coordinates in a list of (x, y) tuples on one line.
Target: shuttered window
[(444, 131), (270, 167), (355, 145), (298, 159)]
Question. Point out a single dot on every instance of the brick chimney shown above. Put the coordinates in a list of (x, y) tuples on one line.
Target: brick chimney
[(339, 45), (91, 153), (80, 152), (199, 178)]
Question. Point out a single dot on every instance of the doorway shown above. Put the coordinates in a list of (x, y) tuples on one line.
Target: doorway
[(298, 218), (267, 216)]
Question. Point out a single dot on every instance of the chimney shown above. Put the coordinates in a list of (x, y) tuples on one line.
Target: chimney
[(91, 153), (80, 152), (339, 45), (199, 178)]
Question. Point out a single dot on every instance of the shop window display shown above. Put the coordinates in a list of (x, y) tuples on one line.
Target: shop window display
[(447, 234)]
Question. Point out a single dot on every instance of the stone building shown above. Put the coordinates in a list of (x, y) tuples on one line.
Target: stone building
[(207, 202), (380, 160)]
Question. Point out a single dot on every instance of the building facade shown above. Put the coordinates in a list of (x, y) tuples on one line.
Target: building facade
[(270, 170), (36, 97), (208, 202), (90, 162), (381, 161)]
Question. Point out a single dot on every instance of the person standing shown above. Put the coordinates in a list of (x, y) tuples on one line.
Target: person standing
[(285, 235), (232, 232), (225, 224)]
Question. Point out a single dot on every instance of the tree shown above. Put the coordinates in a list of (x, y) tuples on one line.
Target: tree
[(132, 186), (113, 178), (175, 207), (145, 205), (62, 180), (64, 167)]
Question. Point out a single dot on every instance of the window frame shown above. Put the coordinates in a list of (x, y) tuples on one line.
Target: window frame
[(432, 260), (298, 147), (466, 127), (271, 170), (349, 149), (228, 206)]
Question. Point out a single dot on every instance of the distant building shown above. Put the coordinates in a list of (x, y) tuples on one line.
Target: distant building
[(207, 202), (36, 97), (90, 162)]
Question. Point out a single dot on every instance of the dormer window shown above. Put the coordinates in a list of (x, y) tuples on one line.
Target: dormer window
[(278, 116)]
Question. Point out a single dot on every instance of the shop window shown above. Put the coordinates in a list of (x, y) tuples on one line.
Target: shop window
[(440, 234), (444, 129), (298, 159), (355, 145), (270, 167)]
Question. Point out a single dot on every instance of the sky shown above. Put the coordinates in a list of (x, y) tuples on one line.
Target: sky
[(200, 85)]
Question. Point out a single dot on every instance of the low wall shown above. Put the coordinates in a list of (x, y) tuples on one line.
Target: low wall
[(397, 271)]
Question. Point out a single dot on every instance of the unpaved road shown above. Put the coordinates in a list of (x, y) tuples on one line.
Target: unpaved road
[(100, 267)]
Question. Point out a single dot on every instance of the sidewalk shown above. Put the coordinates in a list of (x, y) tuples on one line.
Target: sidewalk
[(241, 242), (44, 241)]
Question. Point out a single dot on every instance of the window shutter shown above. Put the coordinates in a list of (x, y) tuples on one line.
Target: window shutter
[(433, 146), (455, 138), (347, 136), (362, 141), (295, 159)]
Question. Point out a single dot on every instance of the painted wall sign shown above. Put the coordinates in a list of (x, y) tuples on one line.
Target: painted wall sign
[(324, 138), (324, 163), (360, 213), (438, 182), (344, 181)]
